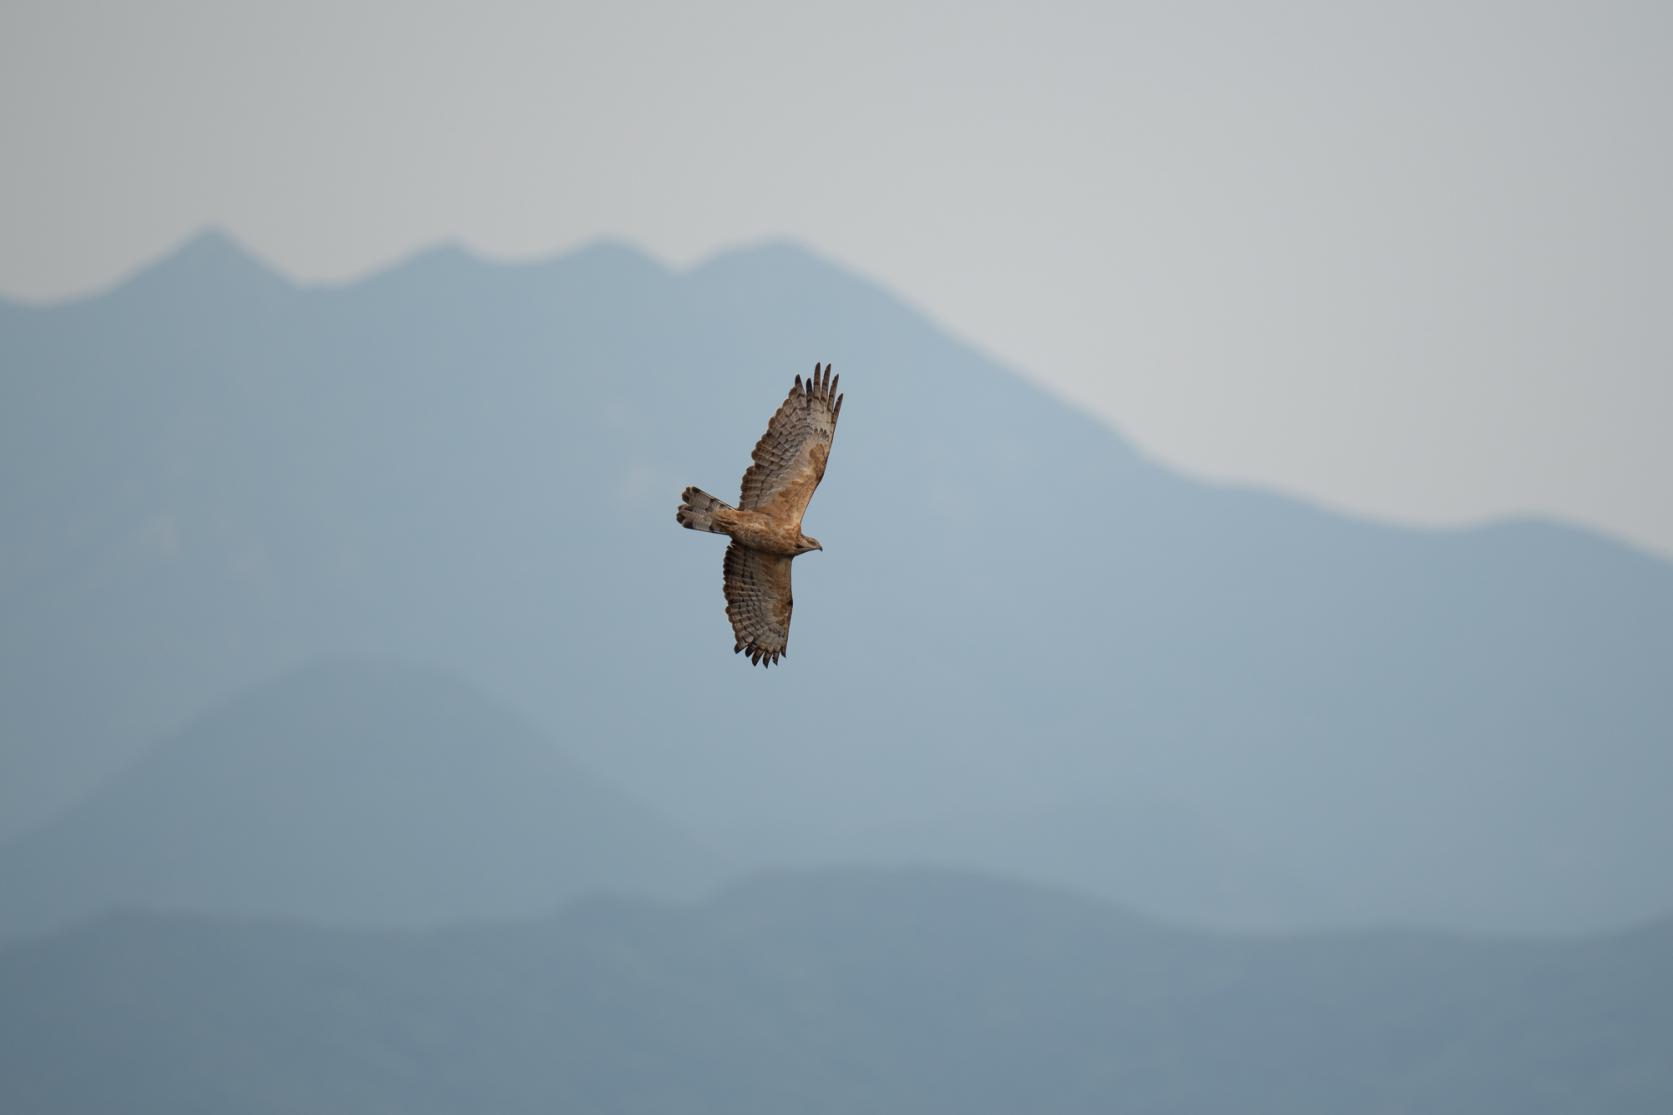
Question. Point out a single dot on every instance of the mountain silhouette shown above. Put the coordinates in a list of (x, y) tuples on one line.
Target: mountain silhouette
[(834, 991), (1026, 647), (353, 793)]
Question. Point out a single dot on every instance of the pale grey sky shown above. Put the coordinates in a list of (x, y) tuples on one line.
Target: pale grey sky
[(1412, 259)]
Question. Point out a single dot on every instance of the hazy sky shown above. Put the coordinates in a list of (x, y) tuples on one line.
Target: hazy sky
[(1407, 258)]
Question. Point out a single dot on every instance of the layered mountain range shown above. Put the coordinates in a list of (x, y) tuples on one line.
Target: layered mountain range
[(1026, 648), (830, 991)]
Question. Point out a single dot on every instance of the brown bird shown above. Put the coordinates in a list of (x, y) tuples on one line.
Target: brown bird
[(766, 526)]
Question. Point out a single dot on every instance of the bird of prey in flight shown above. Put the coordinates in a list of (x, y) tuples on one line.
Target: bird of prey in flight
[(766, 526)]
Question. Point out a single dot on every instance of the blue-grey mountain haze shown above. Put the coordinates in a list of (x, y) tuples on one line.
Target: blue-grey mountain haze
[(835, 991), (1408, 259), (1026, 649), (354, 794), (368, 736)]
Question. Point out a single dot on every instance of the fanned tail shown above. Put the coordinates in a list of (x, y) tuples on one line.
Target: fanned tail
[(697, 512)]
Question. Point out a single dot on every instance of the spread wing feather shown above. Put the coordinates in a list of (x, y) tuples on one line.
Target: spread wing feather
[(758, 602), (790, 457)]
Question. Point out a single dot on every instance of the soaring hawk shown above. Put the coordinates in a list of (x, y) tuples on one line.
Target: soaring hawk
[(766, 526)]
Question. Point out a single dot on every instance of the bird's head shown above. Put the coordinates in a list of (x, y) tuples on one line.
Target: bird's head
[(809, 544)]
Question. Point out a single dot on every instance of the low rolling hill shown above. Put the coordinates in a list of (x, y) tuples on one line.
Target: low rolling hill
[(831, 992), (353, 793)]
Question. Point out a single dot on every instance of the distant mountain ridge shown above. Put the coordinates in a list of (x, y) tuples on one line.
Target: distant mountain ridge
[(831, 992), (1026, 648), (348, 793)]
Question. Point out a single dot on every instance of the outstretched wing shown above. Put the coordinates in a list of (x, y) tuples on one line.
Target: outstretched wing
[(758, 602), (790, 457)]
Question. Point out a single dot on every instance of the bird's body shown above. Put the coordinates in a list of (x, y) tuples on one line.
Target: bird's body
[(763, 532), (766, 527)]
